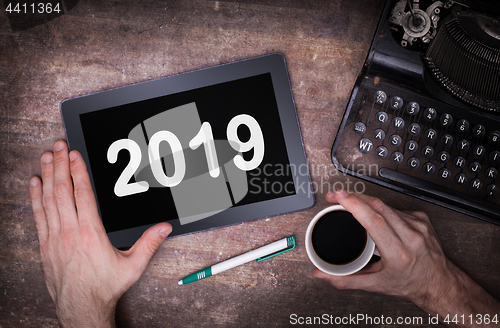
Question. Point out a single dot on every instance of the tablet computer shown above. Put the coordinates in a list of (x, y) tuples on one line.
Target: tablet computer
[(200, 150)]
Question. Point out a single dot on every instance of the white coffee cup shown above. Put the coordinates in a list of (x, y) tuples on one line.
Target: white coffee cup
[(334, 269)]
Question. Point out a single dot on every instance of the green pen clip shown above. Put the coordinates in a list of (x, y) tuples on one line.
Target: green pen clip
[(290, 243)]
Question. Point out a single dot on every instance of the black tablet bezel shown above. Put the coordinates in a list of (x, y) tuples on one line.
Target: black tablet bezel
[(71, 109)]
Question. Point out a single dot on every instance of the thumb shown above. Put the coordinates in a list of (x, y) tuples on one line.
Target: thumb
[(144, 248), (366, 279)]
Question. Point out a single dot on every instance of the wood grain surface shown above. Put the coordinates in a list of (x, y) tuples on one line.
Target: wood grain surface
[(99, 45)]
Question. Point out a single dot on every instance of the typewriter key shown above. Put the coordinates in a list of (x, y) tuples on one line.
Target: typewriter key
[(461, 179), (446, 119), (476, 184), (396, 102), (429, 168), (398, 123), (479, 130), (463, 125), (430, 114), (380, 97)]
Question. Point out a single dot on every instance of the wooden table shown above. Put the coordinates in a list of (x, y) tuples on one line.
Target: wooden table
[(100, 45)]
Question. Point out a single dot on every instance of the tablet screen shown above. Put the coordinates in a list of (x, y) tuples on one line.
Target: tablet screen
[(189, 155), (200, 150)]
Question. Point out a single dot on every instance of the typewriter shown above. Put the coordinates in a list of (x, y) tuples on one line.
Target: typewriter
[(424, 115)]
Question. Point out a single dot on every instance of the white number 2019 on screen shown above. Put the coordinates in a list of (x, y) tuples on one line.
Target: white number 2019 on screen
[(203, 137)]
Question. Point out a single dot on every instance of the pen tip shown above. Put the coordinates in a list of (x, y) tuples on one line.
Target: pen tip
[(180, 282)]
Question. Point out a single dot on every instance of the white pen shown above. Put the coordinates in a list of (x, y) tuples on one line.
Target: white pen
[(259, 254)]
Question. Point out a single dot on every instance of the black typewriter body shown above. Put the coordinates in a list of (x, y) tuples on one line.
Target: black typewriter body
[(424, 115)]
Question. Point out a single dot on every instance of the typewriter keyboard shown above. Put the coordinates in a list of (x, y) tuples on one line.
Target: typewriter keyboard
[(420, 146)]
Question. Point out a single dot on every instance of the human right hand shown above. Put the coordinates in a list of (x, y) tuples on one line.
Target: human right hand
[(84, 273), (413, 265)]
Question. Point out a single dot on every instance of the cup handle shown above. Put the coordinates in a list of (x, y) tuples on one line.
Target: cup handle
[(375, 251)]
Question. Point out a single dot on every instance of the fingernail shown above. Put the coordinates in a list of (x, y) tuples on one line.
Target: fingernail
[(33, 182), (46, 158), (72, 156), (341, 193), (58, 146), (164, 232), (330, 194)]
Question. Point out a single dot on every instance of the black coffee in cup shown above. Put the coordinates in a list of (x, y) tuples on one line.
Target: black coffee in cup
[(338, 238)]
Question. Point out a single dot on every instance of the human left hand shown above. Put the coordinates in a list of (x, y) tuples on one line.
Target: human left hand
[(84, 273)]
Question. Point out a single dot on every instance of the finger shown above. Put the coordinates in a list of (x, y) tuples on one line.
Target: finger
[(395, 218), (421, 223), (144, 248), (417, 222), (38, 212), (411, 220), (366, 279), (48, 198), (416, 216), (63, 187), (374, 203), (84, 195), (420, 215), (375, 224), (330, 197)]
